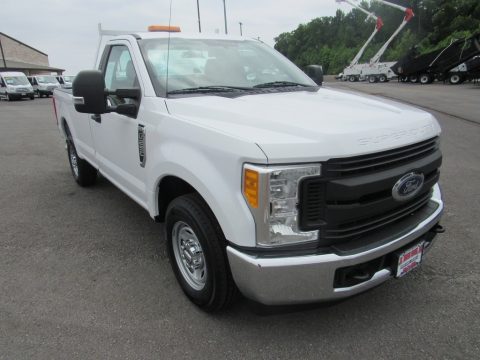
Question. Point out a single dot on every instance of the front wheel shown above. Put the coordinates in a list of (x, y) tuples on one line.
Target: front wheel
[(197, 252), (352, 78)]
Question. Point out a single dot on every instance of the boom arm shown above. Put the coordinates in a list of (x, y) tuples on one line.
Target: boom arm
[(408, 16), (378, 27)]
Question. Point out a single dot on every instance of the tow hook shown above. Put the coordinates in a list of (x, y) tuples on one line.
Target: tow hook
[(438, 229)]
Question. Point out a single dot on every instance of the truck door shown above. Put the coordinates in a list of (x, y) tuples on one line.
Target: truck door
[(117, 136)]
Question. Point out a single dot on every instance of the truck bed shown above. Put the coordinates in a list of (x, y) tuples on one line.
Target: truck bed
[(439, 61)]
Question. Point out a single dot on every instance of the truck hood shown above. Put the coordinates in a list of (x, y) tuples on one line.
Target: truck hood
[(15, 87), (310, 126)]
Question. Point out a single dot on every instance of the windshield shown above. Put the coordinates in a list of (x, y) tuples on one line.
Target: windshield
[(68, 78), (47, 79), (16, 80), (194, 63)]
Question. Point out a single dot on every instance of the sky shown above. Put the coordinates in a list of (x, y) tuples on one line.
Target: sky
[(67, 29)]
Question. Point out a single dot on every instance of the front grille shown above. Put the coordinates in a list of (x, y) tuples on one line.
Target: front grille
[(356, 201), (362, 226), (380, 161), (22, 90)]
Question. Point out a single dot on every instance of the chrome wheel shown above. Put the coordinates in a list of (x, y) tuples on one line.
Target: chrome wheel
[(73, 159), (189, 255)]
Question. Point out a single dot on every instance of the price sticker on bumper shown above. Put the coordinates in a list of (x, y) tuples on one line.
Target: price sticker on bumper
[(409, 260)]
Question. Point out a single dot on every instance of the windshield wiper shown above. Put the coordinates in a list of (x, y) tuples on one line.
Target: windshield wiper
[(280, 84), (208, 89)]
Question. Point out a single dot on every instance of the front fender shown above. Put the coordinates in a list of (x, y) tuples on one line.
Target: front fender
[(215, 174)]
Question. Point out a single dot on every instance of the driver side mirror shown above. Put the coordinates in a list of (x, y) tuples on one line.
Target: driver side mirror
[(315, 72), (90, 95)]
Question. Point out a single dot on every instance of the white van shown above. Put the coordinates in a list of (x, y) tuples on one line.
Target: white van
[(65, 81), (44, 85), (15, 85)]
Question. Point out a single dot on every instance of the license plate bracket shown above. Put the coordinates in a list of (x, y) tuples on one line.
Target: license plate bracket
[(408, 259)]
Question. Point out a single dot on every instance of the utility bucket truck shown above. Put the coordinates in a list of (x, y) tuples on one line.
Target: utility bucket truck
[(267, 183), (353, 71), (378, 71)]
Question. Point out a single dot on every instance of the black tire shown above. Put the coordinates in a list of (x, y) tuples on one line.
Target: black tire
[(218, 289), (9, 97), (382, 78), (84, 174), (40, 95), (372, 79), (425, 79), (352, 78), (32, 97), (455, 79), (413, 79)]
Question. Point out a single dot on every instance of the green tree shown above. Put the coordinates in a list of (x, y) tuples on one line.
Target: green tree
[(333, 41)]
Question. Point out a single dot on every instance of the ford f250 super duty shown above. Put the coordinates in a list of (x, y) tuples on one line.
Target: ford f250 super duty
[(267, 183)]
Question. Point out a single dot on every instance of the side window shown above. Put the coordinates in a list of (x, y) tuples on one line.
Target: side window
[(119, 71)]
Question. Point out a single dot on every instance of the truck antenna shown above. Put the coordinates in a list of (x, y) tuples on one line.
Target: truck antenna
[(168, 48)]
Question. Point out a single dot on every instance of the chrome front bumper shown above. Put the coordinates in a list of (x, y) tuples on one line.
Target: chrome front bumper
[(305, 279)]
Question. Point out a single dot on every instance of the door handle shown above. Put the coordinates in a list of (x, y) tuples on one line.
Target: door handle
[(97, 118)]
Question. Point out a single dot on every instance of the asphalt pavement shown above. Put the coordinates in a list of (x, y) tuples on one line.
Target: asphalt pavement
[(84, 272)]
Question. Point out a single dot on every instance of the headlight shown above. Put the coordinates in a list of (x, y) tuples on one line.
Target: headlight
[(272, 195)]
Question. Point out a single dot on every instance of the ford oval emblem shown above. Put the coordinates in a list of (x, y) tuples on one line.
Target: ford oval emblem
[(408, 186)]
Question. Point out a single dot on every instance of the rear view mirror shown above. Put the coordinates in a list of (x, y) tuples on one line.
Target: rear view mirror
[(315, 72), (89, 94)]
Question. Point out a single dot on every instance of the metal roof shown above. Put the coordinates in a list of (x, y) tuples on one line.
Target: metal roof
[(21, 43)]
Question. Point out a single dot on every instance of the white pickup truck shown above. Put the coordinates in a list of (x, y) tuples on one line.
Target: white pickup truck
[(267, 183)]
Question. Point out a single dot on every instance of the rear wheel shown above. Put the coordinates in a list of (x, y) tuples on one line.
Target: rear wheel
[(83, 173), (372, 79), (455, 79), (413, 79), (197, 252), (32, 97), (425, 79), (382, 78)]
